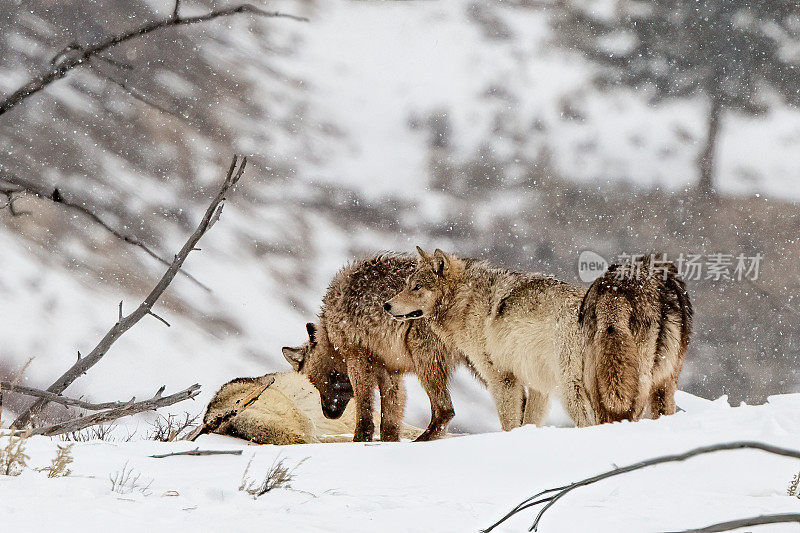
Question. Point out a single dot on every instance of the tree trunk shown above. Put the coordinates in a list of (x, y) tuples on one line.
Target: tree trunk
[(706, 161)]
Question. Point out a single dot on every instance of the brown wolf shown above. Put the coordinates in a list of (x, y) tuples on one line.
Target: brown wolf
[(637, 318), (517, 331), (355, 338), (286, 412)]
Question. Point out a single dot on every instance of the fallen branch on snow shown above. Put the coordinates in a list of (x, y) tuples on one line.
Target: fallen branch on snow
[(557, 493), (745, 522), (198, 451)]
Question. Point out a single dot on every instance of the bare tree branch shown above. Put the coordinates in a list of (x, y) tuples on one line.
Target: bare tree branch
[(117, 330), (744, 522), (198, 451), (18, 185), (557, 493), (130, 408), (8, 386), (12, 195), (74, 55), (152, 314), (116, 63), (137, 95)]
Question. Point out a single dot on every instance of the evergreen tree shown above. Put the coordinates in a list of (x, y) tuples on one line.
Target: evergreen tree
[(733, 53)]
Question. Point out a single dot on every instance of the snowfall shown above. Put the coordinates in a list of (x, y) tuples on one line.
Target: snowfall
[(461, 483)]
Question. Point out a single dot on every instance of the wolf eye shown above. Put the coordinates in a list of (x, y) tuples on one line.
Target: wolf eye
[(416, 287)]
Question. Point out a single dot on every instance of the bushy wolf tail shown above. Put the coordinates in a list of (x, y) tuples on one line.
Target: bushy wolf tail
[(617, 372), (621, 313)]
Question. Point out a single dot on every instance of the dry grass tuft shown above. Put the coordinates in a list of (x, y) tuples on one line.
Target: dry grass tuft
[(279, 476), (127, 480), (13, 459), (171, 428), (59, 465)]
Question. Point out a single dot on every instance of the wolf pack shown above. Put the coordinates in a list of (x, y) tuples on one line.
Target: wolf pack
[(609, 353)]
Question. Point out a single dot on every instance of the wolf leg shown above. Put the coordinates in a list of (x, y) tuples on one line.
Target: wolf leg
[(662, 400), (577, 404), (363, 382), (433, 378), (508, 395), (393, 402), (535, 407), (577, 364)]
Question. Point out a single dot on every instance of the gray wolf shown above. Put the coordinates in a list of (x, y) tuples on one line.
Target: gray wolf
[(638, 319), (355, 339), (286, 412), (518, 331)]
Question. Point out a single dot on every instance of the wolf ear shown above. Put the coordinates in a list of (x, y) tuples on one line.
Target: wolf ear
[(295, 357), (421, 255), (441, 262), (311, 328)]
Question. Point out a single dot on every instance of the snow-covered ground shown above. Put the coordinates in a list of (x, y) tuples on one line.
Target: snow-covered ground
[(459, 484)]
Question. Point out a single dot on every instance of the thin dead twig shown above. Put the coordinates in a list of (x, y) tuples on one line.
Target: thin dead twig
[(198, 451), (74, 54), (557, 493), (137, 95), (82, 365), (169, 428), (104, 432), (127, 480)]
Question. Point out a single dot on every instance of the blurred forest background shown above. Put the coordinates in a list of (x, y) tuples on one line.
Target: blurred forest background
[(517, 131)]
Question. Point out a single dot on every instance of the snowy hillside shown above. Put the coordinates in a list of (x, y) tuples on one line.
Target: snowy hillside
[(377, 68), (459, 484)]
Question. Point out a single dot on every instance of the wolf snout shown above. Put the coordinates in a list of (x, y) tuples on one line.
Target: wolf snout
[(387, 307)]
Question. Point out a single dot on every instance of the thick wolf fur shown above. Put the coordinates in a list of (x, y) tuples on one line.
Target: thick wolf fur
[(517, 331), (287, 412), (355, 335), (638, 320)]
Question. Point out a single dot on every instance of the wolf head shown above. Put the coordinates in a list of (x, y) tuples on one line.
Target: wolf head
[(232, 393), (325, 368), (425, 288)]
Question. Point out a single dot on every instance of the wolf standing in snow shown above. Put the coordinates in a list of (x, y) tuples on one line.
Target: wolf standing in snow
[(637, 318), (355, 338), (516, 330)]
